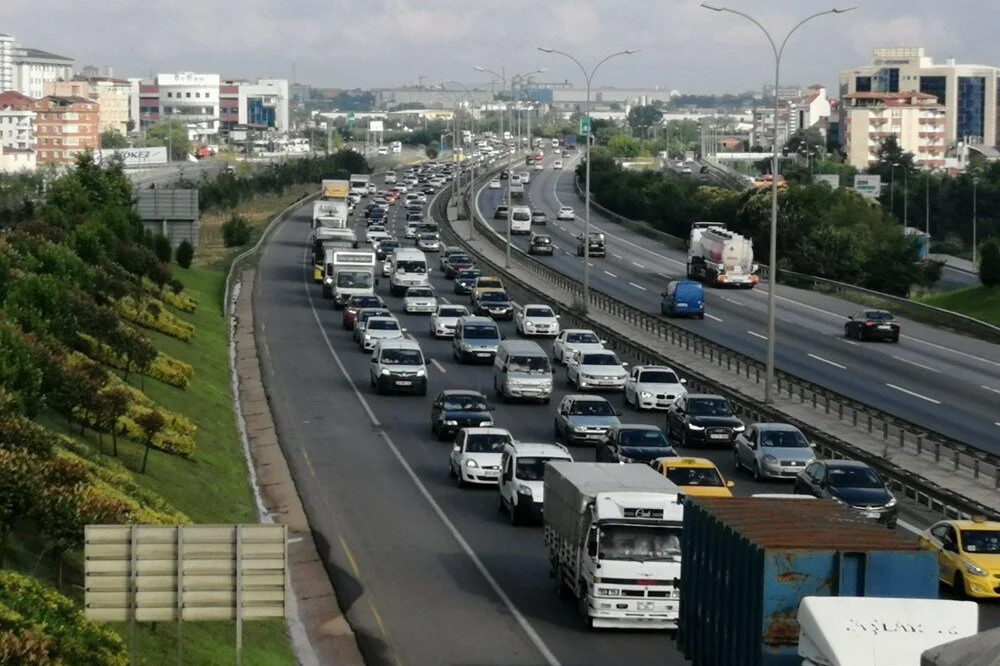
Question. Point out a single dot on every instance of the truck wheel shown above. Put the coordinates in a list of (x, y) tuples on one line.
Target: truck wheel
[(562, 590), (581, 605)]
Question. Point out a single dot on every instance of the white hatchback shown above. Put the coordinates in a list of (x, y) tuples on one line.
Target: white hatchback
[(566, 213), (419, 300), (596, 370), (475, 456), (380, 328), (495, 184), (535, 319), (444, 320), (411, 228)]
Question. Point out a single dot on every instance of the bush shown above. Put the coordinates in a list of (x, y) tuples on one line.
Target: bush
[(236, 231), (161, 246), (164, 321), (946, 247), (180, 301), (431, 152), (989, 263), (184, 254)]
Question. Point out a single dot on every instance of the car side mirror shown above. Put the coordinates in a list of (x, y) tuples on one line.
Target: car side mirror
[(618, 412), (851, 317), (402, 330), (730, 484), (456, 448), (684, 381), (490, 408), (604, 342), (624, 364), (374, 360)]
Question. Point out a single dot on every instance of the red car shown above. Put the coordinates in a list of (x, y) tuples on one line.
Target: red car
[(355, 305), (456, 263)]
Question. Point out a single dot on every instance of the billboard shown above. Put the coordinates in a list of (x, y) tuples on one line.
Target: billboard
[(133, 156), (831, 179), (868, 186), (376, 126)]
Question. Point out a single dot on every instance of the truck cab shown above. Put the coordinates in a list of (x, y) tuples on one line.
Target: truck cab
[(350, 273), (521, 490)]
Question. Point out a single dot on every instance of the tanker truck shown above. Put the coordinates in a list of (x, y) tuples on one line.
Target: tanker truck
[(717, 256)]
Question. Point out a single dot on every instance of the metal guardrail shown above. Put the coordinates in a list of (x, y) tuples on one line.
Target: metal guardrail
[(896, 434)]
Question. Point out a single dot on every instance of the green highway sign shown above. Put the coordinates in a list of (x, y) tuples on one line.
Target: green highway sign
[(584, 126), (350, 117)]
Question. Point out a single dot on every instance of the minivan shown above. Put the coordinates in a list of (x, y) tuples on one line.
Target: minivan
[(520, 220), (521, 490), (521, 369), (398, 364), (683, 298), (476, 339)]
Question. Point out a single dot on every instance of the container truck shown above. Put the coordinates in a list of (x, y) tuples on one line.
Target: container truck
[(349, 273), (570, 141), (335, 189), (324, 241), (720, 257), (870, 631), (613, 534), (749, 562), (359, 184)]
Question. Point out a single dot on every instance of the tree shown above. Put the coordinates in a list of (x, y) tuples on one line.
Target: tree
[(236, 231), (151, 423), (807, 139), (624, 146), (642, 118), (431, 152), (989, 263), (172, 134), (113, 404), (184, 254), (161, 246), (112, 139)]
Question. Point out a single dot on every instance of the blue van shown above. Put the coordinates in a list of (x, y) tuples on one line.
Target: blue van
[(684, 298)]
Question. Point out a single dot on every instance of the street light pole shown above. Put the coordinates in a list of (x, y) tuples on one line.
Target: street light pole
[(975, 181), (590, 135), (906, 197), (927, 205), (769, 383)]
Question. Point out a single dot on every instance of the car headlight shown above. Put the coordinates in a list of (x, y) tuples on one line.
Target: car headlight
[(692, 426), (770, 460), (529, 324), (645, 394), (486, 424), (421, 372), (524, 490), (626, 459), (451, 423), (973, 569), (891, 503), (579, 428), (471, 463), (368, 336), (739, 428), (385, 372), (839, 501)]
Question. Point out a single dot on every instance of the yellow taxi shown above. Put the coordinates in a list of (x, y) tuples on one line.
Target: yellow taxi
[(968, 555), (696, 477), (484, 283), (391, 197)]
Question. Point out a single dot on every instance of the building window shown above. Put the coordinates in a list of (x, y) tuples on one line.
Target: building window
[(187, 95), (891, 77), (863, 84), (971, 107), (935, 85)]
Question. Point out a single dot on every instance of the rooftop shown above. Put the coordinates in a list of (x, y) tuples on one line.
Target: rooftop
[(38, 53)]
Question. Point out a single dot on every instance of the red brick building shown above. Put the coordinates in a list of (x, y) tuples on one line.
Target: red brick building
[(65, 126)]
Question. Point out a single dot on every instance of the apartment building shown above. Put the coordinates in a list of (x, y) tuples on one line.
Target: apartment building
[(917, 119), (111, 94), (968, 93), (33, 68), (7, 46), (17, 121), (65, 126)]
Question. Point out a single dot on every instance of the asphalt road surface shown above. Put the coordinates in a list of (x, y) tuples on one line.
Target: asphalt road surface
[(940, 380), (426, 573)]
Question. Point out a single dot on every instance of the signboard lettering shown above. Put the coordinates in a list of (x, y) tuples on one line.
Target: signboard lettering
[(133, 156), (868, 186)]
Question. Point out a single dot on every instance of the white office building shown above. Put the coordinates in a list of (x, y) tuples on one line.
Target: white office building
[(33, 68), (7, 48)]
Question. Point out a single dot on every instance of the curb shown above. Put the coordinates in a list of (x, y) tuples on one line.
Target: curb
[(319, 632)]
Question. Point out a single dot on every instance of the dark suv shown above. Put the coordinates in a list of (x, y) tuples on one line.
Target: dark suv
[(595, 241)]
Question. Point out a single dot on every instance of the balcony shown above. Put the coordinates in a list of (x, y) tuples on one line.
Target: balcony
[(877, 121), (931, 121), (937, 134)]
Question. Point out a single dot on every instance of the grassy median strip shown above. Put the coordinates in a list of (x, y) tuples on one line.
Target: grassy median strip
[(979, 302)]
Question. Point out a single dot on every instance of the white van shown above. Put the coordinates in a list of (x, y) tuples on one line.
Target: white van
[(521, 369), (516, 188), (520, 220), (398, 364), (522, 478), (476, 339), (408, 269)]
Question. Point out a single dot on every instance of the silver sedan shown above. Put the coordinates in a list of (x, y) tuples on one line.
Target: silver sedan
[(773, 451)]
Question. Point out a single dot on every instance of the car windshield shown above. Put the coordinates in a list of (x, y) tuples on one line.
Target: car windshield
[(709, 407), (532, 469), (411, 266), (532, 364), (354, 279), (783, 439), (469, 274), (481, 332), (658, 377), (643, 438), (419, 293), (374, 313), (981, 541), (600, 359), (366, 302), (853, 477), (583, 338), (463, 403), (592, 408), (494, 296), (389, 245), (483, 443), (457, 259), (538, 312), (878, 315), (382, 325), (429, 237), (643, 543), (695, 476), (542, 240), (452, 312), (402, 357)]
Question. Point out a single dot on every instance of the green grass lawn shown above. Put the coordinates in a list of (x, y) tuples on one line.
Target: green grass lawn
[(211, 487), (980, 302)]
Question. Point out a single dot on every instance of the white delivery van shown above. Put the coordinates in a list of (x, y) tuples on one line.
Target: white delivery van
[(408, 269), (520, 220)]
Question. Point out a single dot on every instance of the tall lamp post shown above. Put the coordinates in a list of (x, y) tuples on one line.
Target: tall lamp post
[(769, 384), (975, 182), (588, 77)]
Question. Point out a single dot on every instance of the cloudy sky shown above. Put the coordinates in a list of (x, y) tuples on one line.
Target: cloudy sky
[(383, 43)]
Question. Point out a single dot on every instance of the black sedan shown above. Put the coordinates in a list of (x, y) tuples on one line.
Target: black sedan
[(385, 248), (501, 212), (465, 279), (455, 409), (872, 325), (494, 304), (455, 264), (633, 443), (851, 483), (698, 418)]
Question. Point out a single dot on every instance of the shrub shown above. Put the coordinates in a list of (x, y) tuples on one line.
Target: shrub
[(165, 368), (161, 246), (236, 231), (989, 263), (165, 322), (180, 301), (184, 254)]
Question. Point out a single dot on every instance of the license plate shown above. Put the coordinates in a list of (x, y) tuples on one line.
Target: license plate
[(682, 305), (884, 328), (718, 436), (871, 514), (483, 354), (491, 472), (403, 382)]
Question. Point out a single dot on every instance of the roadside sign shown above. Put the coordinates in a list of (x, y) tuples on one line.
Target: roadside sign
[(584, 126), (350, 117), (868, 186), (831, 179)]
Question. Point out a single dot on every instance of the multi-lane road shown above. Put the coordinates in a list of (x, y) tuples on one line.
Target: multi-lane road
[(426, 573), (942, 381)]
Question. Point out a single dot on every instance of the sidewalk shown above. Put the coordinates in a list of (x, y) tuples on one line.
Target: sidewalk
[(942, 474)]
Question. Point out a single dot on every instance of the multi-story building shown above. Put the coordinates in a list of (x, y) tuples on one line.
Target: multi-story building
[(33, 68), (808, 110), (65, 126), (111, 94), (917, 120), (968, 93), (260, 104), (13, 160), (7, 48), (17, 121)]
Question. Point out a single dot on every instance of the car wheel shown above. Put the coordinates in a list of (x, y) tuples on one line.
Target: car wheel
[(501, 507), (736, 459), (756, 472), (683, 438), (378, 387), (861, 334), (895, 339), (451, 470), (462, 483), (958, 586), (555, 430), (512, 515), (847, 331)]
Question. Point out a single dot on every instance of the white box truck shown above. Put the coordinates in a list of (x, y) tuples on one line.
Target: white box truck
[(613, 534), (359, 184), (720, 257), (328, 210), (349, 273)]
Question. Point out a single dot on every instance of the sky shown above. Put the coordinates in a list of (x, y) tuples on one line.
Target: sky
[(389, 43)]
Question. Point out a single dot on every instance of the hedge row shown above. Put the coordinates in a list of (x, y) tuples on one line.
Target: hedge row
[(165, 368), (181, 301), (154, 316)]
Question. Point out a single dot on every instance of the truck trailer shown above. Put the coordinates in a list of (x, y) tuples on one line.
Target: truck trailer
[(717, 256), (327, 209), (333, 189), (613, 534)]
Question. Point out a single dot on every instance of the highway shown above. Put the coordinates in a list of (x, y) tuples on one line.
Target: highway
[(426, 573), (940, 380)]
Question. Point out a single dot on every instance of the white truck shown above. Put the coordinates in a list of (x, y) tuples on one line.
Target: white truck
[(516, 188), (613, 534), (348, 273), (878, 631), (396, 147), (326, 210), (359, 184), (720, 257)]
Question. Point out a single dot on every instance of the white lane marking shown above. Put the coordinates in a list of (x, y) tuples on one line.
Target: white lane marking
[(757, 335), (849, 342), (568, 254), (617, 256), (556, 246), (637, 286), (590, 264), (713, 317), (919, 365), (637, 265), (437, 365), (550, 658), (915, 395), (820, 358), (990, 388), (609, 273), (908, 527), (734, 301)]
